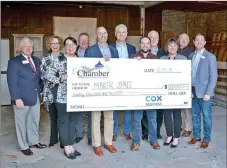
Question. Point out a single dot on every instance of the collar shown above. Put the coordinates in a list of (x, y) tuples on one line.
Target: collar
[(101, 46), (156, 50), (120, 45), (200, 52), (25, 56), (80, 50)]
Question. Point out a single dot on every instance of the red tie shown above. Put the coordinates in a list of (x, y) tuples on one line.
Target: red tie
[(30, 62)]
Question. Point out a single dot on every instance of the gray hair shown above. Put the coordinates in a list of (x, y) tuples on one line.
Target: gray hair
[(121, 25), (153, 31), (25, 40)]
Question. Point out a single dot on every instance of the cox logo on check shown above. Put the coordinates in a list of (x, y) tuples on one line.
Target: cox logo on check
[(153, 98)]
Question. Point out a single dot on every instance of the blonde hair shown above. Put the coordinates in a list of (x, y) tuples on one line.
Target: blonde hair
[(50, 39), (25, 40)]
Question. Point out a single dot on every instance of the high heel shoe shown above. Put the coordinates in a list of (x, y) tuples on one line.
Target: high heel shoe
[(175, 143), (166, 143)]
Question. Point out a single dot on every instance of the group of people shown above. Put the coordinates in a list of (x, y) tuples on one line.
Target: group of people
[(27, 77)]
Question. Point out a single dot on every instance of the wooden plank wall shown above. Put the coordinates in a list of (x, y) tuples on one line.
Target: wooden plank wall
[(20, 18)]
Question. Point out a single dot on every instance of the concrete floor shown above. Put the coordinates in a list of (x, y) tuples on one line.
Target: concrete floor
[(185, 156)]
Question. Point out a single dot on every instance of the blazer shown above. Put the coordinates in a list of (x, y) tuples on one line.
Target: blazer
[(23, 83), (94, 52), (161, 52), (206, 75), (131, 48)]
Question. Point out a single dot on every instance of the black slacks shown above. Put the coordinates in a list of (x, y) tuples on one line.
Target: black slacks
[(67, 124), (173, 125)]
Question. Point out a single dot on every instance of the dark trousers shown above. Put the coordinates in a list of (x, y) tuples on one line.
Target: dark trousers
[(145, 122), (173, 125), (53, 124), (67, 124), (80, 125)]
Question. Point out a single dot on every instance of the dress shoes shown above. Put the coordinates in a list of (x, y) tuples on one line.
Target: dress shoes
[(27, 152), (135, 147), (159, 136), (89, 141), (39, 146), (194, 141), (98, 151), (114, 138), (166, 143), (186, 133), (77, 153), (145, 137), (70, 155), (110, 148), (128, 137), (155, 145), (204, 144)]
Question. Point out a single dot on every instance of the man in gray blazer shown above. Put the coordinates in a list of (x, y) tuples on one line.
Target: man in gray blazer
[(204, 78)]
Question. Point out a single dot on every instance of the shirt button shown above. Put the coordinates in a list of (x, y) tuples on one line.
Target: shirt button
[(35, 89)]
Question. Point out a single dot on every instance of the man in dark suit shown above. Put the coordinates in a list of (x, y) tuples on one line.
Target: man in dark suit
[(159, 52), (102, 50), (125, 50), (23, 76)]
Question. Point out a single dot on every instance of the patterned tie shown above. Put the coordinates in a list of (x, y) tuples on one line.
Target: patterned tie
[(30, 62)]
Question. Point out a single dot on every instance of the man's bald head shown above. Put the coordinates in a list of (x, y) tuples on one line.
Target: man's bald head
[(154, 36), (183, 40), (102, 35)]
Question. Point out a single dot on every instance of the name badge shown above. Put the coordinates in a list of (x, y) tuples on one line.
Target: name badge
[(202, 57), (25, 62)]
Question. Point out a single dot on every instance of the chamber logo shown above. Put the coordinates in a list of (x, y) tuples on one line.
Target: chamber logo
[(98, 71)]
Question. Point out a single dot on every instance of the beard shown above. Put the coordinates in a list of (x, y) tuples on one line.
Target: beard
[(143, 51)]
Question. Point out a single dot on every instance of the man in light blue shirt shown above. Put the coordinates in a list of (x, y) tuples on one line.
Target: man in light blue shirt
[(125, 50), (204, 78), (122, 50), (195, 63)]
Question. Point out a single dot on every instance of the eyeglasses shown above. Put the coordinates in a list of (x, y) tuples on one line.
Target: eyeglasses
[(70, 45)]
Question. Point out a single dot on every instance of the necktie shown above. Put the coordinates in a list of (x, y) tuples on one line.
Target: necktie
[(30, 62)]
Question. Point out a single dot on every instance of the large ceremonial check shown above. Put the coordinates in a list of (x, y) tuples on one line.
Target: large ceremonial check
[(94, 84)]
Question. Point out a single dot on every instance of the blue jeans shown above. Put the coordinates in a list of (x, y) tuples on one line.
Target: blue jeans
[(152, 126), (126, 122), (80, 123), (198, 106)]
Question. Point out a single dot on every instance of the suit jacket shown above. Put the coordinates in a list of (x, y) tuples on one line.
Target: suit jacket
[(206, 75), (161, 52), (94, 52), (23, 83), (131, 48)]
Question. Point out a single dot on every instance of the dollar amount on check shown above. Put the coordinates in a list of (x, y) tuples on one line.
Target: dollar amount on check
[(127, 84)]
